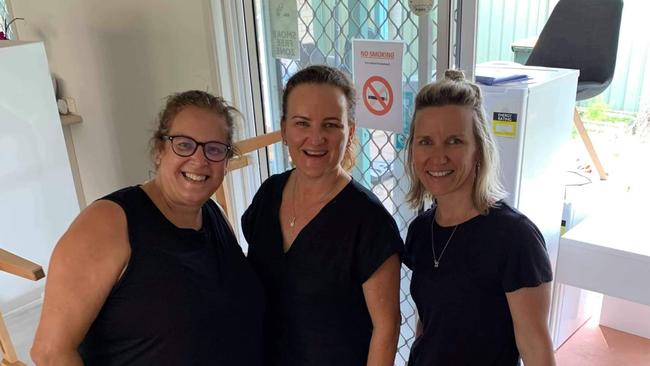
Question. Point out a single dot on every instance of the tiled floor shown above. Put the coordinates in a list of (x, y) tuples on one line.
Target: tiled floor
[(592, 345), (596, 345)]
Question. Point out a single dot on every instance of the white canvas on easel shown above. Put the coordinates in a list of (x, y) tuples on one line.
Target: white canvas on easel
[(37, 193)]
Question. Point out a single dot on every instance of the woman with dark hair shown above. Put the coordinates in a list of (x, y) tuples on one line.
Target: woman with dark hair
[(153, 274), (324, 246), (480, 269)]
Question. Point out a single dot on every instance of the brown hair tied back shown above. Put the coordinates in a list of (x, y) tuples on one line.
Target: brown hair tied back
[(327, 75), (197, 98)]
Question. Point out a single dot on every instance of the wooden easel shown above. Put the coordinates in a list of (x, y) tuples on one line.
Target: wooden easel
[(577, 121), (244, 147), (18, 266)]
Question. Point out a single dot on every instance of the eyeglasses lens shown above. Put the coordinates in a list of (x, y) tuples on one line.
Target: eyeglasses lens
[(215, 151), (185, 146)]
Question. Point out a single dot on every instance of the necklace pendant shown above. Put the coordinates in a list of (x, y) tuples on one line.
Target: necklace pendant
[(436, 264), (292, 223)]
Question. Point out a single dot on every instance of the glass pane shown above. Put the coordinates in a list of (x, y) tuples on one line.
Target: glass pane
[(4, 17), (325, 31)]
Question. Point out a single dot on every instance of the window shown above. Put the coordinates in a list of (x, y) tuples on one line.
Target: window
[(618, 120), (5, 18)]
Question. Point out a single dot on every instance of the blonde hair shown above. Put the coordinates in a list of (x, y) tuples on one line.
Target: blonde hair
[(454, 89)]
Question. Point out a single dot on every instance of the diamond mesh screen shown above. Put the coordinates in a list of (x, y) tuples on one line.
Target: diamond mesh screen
[(326, 29)]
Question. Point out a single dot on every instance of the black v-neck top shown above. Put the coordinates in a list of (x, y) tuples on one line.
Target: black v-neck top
[(316, 310), (187, 297)]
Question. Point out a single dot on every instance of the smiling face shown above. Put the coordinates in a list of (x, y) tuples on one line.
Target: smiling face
[(190, 181), (316, 128), (445, 151)]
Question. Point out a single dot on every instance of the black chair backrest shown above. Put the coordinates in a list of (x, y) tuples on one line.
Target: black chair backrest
[(583, 35)]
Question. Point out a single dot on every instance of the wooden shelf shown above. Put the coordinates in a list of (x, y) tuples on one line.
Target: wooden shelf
[(70, 119)]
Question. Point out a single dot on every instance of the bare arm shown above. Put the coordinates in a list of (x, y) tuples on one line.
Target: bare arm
[(529, 308), (85, 264), (381, 292)]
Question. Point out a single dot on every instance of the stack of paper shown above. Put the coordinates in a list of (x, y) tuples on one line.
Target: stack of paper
[(499, 76)]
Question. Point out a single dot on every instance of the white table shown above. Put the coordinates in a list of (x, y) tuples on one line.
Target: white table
[(609, 252)]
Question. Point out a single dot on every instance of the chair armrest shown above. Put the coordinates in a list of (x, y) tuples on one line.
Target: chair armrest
[(18, 266)]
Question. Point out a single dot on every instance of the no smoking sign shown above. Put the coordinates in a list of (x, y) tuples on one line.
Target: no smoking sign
[(378, 80), (377, 95)]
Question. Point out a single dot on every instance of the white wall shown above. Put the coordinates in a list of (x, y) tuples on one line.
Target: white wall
[(118, 60)]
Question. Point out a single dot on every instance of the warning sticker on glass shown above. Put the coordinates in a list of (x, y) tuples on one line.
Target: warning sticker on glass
[(421, 7), (284, 29), (504, 124)]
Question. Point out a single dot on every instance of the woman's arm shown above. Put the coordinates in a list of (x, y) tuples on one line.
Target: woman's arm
[(85, 264), (529, 308), (381, 292)]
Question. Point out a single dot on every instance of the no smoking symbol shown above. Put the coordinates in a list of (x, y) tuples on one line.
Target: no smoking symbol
[(377, 95)]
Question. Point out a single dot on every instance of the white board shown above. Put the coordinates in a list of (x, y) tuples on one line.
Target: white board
[(37, 194)]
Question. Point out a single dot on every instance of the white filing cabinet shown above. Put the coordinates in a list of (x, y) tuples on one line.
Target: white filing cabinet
[(532, 122)]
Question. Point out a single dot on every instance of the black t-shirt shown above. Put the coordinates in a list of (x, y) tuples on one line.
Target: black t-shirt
[(316, 310), (462, 304), (187, 297)]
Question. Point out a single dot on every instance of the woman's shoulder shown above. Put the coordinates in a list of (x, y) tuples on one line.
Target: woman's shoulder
[(100, 230), (508, 220), (361, 199), (104, 216), (505, 213), (267, 199), (129, 191), (423, 218), (127, 196), (275, 183), (362, 194), (218, 217)]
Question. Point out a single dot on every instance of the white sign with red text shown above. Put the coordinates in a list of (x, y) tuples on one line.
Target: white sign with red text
[(378, 79)]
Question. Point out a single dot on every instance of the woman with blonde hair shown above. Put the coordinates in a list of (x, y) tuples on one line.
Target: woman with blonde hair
[(324, 246), (480, 269)]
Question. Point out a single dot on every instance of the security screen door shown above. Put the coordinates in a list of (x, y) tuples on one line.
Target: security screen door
[(325, 31)]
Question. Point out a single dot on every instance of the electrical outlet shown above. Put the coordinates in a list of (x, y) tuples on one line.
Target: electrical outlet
[(72, 105)]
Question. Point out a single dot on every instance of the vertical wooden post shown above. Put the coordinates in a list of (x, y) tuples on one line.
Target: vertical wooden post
[(7, 350), (577, 121), (18, 266)]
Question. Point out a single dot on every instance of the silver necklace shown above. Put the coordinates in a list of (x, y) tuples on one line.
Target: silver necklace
[(436, 259), (292, 220)]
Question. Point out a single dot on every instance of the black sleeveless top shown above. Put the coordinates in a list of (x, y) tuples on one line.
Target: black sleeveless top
[(187, 297)]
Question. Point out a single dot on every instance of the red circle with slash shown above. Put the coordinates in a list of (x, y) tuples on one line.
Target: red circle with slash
[(377, 95)]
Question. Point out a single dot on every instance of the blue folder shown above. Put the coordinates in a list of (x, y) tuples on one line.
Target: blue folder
[(499, 78)]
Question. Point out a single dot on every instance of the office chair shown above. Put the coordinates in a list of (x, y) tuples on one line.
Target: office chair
[(18, 266), (582, 35)]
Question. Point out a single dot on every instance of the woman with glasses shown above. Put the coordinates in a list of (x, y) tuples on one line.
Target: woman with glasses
[(481, 274), (153, 274), (324, 247)]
